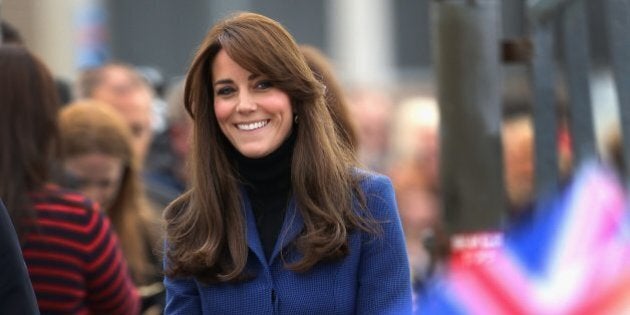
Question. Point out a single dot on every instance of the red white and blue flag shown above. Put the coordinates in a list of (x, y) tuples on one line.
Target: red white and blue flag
[(571, 256)]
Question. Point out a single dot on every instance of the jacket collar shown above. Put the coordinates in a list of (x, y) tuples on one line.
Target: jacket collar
[(291, 227)]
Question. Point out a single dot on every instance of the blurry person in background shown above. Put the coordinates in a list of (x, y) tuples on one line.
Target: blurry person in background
[(414, 158), (97, 159), (414, 138), (519, 147), (159, 87), (154, 78), (73, 257), (518, 154), (166, 175), (420, 215), (371, 110), (517, 137), (122, 87), (125, 89), (335, 96)]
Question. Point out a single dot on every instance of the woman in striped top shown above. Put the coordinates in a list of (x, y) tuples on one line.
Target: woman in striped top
[(72, 255), (98, 159)]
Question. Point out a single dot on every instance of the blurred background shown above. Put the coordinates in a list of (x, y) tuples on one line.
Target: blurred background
[(372, 42), (384, 53), (381, 51), (384, 45)]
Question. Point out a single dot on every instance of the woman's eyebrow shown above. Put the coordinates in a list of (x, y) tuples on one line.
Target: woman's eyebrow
[(230, 81), (223, 81)]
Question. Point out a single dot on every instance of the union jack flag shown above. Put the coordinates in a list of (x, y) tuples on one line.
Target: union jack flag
[(571, 256)]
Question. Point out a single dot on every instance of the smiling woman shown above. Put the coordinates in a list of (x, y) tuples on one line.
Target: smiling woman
[(252, 113), (279, 218)]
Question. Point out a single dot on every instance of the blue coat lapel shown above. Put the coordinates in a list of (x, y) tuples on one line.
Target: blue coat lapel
[(253, 238), (291, 227)]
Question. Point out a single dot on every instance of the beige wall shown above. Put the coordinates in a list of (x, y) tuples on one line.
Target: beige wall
[(361, 41), (47, 27)]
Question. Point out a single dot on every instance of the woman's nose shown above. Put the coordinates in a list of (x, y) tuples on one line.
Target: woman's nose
[(246, 103)]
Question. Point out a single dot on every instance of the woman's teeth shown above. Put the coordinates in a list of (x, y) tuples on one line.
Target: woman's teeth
[(252, 126)]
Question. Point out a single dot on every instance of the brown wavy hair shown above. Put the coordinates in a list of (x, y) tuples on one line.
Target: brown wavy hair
[(335, 97), (28, 130), (205, 227), (90, 126)]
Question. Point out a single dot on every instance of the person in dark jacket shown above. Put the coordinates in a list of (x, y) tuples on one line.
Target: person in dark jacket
[(16, 291)]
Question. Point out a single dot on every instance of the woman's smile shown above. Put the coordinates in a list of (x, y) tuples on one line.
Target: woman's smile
[(252, 125)]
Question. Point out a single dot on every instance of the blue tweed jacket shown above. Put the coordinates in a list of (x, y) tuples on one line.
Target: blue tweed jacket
[(373, 279)]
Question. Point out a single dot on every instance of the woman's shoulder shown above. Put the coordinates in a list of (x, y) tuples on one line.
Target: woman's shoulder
[(54, 202), (380, 204), (372, 182), (378, 191)]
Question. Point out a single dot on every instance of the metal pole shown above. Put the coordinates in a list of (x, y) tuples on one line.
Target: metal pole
[(545, 122), (618, 19), (577, 67), (1, 39), (544, 9), (467, 64)]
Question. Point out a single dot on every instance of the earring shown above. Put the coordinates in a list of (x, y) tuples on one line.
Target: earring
[(295, 118)]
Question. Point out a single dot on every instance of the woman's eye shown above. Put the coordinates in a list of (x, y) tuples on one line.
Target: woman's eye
[(225, 90), (265, 84)]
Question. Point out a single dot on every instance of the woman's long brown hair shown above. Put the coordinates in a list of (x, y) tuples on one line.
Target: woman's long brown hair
[(28, 130), (335, 97), (205, 227)]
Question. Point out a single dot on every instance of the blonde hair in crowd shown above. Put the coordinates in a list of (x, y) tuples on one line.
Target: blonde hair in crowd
[(90, 126)]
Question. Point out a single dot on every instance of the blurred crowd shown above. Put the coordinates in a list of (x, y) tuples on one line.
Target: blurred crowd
[(124, 137)]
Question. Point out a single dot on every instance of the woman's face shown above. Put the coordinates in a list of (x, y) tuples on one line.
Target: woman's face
[(254, 115), (96, 175)]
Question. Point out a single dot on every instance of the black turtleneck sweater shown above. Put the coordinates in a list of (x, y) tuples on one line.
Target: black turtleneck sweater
[(268, 184)]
